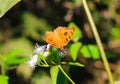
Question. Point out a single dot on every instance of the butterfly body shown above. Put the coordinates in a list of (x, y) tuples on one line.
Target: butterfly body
[(60, 37)]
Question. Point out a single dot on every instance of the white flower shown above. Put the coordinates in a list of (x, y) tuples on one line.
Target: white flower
[(33, 61), (42, 49), (39, 49)]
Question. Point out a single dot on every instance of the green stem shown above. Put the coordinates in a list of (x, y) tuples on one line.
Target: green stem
[(99, 43), (2, 68), (44, 61), (66, 75)]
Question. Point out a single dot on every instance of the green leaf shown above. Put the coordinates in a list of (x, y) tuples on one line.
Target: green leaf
[(22, 44), (85, 52), (74, 50), (78, 34), (11, 58), (90, 51), (16, 60), (4, 79), (76, 64), (54, 73), (115, 33), (13, 53), (54, 56), (5, 5)]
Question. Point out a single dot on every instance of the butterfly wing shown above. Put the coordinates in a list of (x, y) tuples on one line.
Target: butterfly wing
[(51, 39), (64, 34)]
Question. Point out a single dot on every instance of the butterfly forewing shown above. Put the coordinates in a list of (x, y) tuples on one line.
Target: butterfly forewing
[(67, 34), (51, 39)]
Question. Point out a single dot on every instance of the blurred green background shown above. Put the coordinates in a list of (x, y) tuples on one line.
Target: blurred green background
[(26, 23)]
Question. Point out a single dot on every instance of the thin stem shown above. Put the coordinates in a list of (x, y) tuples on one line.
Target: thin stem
[(66, 75), (106, 64), (2, 68), (45, 61)]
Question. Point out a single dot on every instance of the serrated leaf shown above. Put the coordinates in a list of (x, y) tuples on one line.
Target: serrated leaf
[(76, 64), (78, 34), (54, 73), (74, 50), (5, 5), (4, 79), (90, 51)]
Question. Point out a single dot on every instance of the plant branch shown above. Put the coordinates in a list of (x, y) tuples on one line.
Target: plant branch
[(99, 43), (66, 75)]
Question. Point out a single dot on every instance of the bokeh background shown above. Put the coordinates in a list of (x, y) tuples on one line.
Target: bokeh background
[(25, 24)]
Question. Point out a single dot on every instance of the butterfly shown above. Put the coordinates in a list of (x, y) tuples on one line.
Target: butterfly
[(60, 37)]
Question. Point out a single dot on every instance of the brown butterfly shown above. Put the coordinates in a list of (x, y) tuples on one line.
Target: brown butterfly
[(60, 37)]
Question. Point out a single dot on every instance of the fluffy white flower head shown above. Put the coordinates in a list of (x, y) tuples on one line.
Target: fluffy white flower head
[(33, 61), (39, 49)]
